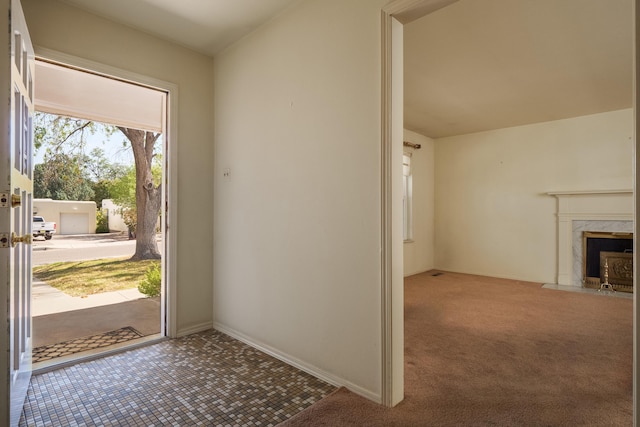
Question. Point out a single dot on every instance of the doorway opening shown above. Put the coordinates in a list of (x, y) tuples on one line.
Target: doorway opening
[(100, 278), (452, 152)]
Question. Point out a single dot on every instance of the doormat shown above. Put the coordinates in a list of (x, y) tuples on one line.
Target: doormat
[(48, 352)]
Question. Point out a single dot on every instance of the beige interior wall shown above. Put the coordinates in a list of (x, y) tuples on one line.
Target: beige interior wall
[(492, 214), (57, 26), (419, 253), (297, 224)]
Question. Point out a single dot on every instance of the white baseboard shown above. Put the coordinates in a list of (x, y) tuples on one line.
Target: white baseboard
[(297, 363), (194, 329)]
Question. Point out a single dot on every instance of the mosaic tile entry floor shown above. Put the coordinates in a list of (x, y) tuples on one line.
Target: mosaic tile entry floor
[(203, 379), (48, 352)]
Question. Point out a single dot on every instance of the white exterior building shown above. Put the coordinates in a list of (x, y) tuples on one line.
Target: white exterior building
[(71, 217), (116, 222)]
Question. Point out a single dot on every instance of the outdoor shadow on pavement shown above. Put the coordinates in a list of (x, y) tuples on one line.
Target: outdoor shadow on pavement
[(142, 314)]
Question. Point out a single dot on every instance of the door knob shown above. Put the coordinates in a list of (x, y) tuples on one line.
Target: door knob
[(15, 239)]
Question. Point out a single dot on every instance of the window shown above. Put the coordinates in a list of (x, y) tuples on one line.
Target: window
[(407, 183)]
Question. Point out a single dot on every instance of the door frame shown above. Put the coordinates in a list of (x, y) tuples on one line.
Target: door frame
[(170, 170), (400, 12), (393, 17), (636, 186)]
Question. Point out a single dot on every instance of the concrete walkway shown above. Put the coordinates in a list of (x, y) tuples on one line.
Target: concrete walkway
[(48, 300)]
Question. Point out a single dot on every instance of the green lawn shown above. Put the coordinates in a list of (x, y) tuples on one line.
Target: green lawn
[(82, 278)]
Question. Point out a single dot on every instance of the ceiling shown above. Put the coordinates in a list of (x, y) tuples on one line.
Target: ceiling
[(472, 66), (206, 26), (488, 64), (74, 93)]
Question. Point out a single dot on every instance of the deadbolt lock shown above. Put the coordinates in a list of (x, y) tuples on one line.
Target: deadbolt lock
[(13, 200)]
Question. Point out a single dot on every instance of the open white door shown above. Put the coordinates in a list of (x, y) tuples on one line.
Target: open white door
[(16, 141)]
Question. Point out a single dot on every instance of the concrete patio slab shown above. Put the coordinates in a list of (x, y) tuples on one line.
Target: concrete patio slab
[(141, 314)]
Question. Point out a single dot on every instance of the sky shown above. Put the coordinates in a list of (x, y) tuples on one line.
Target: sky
[(112, 146)]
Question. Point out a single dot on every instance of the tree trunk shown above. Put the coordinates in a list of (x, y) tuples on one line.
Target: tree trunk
[(148, 196), (148, 203)]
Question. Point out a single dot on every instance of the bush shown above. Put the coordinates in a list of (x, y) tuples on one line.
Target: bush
[(102, 222), (150, 285)]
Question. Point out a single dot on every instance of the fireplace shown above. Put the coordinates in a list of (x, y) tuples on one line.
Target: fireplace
[(607, 257), (587, 210)]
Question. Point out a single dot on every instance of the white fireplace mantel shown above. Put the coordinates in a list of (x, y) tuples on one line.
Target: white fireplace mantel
[(585, 205)]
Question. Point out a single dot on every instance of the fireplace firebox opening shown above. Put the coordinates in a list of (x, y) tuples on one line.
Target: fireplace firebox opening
[(615, 249)]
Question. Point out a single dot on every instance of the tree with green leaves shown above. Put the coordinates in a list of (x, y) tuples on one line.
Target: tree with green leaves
[(67, 170), (59, 134), (122, 191), (61, 177)]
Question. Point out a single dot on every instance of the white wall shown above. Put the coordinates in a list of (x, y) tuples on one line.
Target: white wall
[(297, 224), (419, 253), (57, 26), (492, 216), (114, 212)]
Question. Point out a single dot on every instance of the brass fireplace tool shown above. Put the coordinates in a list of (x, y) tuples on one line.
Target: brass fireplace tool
[(606, 286)]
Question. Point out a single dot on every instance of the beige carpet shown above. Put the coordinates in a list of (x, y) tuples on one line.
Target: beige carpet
[(491, 352)]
